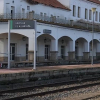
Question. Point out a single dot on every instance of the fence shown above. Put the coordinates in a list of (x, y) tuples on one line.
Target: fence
[(85, 25), (4, 57)]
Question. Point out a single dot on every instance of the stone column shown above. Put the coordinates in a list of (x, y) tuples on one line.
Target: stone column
[(98, 51), (54, 50), (72, 45), (31, 49), (31, 15), (71, 55), (53, 55), (86, 55), (30, 55)]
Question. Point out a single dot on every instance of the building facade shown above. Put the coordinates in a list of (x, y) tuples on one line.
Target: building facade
[(64, 29)]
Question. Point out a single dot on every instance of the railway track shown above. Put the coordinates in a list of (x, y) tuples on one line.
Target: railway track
[(97, 97), (21, 94)]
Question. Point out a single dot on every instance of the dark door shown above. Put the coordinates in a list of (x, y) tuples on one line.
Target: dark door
[(26, 51), (62, 52), (47, 52), (12, 51)]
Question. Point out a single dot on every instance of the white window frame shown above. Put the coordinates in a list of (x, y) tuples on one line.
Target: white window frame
[(86, 13), (96, 16), (79, 12), (74, 10), (28, 7), (90, 14)]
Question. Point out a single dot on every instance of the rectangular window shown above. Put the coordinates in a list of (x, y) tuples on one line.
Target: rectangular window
[(28, 7), (90, 14), (41, 14), (23, 13), (44, 14), (86, 13), (99, 16), (96, 16), (57, 16), (12, 12), (74, 10), (79, 12), (62, 52)]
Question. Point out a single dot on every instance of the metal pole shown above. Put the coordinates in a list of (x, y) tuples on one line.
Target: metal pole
[(34, 67), (9, 44), (92, 38)]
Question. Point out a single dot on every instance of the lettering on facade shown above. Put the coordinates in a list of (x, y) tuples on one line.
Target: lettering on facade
[(22, 24), (46, 31)]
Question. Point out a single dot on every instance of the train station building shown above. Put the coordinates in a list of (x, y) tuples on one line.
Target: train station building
[(64, 30)]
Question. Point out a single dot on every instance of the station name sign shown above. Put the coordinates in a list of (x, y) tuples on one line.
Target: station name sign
[(47, 31), (22, 24)]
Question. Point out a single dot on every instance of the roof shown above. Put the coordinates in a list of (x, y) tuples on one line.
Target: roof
[(94, 1), (53, 3)]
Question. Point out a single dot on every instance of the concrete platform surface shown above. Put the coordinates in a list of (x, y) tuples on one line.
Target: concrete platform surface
[(30, 69)]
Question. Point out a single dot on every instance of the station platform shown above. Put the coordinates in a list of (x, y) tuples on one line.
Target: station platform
[(46, 68)]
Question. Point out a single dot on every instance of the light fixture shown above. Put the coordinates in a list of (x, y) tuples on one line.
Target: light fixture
[(62, 41), (45, 40), (23, 38), (77, 43), (93, 9)]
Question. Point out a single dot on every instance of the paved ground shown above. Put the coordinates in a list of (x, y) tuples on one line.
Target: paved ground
[(19, 70)]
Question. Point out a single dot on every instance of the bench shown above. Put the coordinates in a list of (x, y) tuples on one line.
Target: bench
[(23, 64), (47, 62), (79, 61)]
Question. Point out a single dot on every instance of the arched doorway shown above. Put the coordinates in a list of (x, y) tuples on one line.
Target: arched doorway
[(96, 48), (18, 47), (64, 47), (81, 46), (45, 44)]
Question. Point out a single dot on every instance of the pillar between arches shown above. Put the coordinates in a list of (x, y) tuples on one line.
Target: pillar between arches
[(54, 50), (30, 55), (71, 53), (53, 55), (31, 49), (86, 54)]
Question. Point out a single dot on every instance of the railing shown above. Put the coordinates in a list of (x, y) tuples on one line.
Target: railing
[(87, 25), (15, 55), (51, 20), (34, 16)]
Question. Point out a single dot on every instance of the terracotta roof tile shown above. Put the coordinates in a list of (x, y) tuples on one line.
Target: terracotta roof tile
[(53, 3), (95, 1)]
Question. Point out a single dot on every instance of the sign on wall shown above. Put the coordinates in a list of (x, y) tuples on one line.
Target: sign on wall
[(47, 31), (22, 24)]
